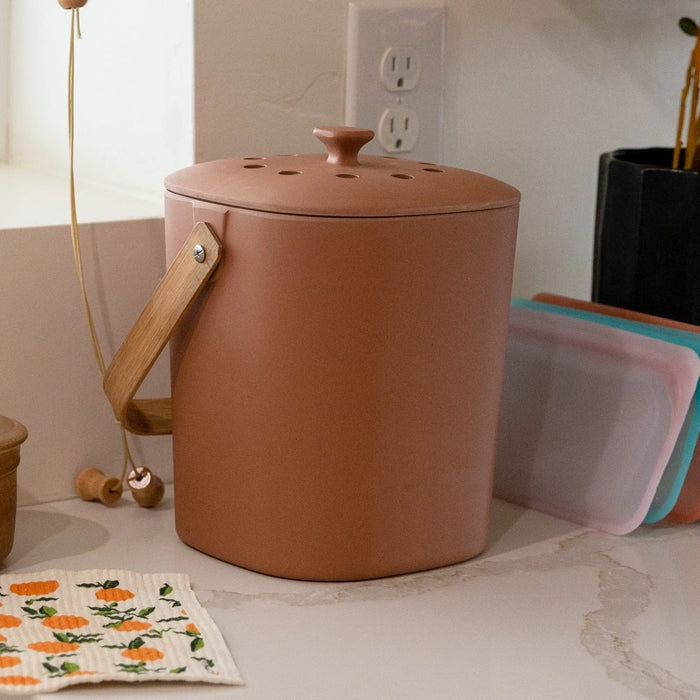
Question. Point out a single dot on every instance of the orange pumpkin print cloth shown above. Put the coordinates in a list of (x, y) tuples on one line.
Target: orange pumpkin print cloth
[(60, 628)]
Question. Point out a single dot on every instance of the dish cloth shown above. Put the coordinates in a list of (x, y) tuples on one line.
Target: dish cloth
[(60, 628)]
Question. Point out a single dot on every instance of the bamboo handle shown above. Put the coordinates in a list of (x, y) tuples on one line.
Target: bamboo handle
[(194, 264)]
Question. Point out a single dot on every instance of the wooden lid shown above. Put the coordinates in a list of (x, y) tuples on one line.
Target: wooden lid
[(341, 183), (12, 433)]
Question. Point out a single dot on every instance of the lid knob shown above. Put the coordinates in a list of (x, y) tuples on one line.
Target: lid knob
[(343, 143)]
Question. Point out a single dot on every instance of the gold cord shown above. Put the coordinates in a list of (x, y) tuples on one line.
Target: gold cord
[(75, 31)]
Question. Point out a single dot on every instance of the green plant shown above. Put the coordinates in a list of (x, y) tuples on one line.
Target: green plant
[(689, 111)]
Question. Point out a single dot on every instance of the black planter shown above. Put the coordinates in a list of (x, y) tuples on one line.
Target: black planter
[(647, 235)]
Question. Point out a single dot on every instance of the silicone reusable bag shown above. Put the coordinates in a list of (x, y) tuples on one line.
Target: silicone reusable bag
[(589, 418), (687, 508), (677, 468)]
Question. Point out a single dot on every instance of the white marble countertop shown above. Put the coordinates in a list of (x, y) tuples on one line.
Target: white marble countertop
[(550, 610)]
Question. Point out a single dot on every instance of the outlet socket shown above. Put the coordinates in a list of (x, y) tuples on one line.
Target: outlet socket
[(395, 52), (398, 129), (400, 68)]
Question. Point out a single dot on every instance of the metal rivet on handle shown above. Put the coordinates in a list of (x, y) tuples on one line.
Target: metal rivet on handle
[(199, 253)]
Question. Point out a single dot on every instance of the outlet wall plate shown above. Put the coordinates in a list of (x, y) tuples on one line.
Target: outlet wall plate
[(395, 56)]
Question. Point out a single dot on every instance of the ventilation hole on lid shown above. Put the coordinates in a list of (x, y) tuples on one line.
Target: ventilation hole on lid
[(289, 172), (255, 165), (433, 170), (402, 176), (254, 158), (349, 176)]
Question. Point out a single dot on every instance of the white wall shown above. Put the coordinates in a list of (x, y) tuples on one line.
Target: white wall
[(48, 377), (133, 90), (267, 72), (535, 91), (4, 74), (134, 124)]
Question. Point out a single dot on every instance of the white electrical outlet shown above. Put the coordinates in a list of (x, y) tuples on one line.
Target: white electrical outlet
[(400, 68), (395, 52), (398, 129)]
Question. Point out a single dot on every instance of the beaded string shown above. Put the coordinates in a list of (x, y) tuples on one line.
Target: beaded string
[(75, 237)]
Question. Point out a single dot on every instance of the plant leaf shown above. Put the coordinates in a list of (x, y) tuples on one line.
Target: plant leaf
[(173, 619), (139, 667)]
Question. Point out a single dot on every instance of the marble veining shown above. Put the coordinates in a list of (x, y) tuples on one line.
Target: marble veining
[(624, 594)]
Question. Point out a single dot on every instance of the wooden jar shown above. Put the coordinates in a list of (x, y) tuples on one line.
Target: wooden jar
[(12, 435)]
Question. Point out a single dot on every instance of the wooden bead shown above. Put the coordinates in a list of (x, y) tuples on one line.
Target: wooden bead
[(71, 4), (92, 485), (146, 488)]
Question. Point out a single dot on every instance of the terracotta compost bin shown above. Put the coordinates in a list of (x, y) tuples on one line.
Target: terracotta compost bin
[(338, 326)]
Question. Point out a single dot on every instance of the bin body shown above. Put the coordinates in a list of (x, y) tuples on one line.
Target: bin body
[(336, 387)]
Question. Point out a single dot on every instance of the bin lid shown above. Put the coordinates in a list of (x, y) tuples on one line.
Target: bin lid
[(341, 182)]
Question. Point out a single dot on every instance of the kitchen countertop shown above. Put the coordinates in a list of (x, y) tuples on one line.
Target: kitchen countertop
[(549, 610)]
